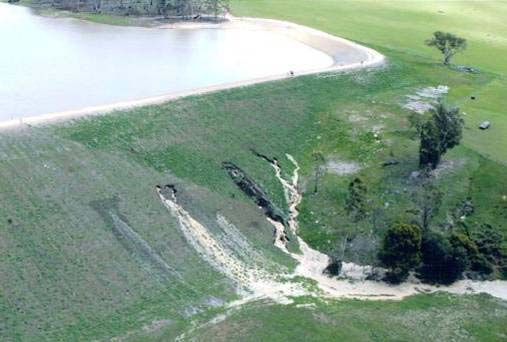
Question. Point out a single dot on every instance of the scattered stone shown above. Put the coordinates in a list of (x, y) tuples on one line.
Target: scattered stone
[(283, 238), (171, 187), (415, 174), (433, 92), (355, 272), (214, 301), (464, 68), (420, 107), (356, 118), (425, 99), (447, 166), (377, 274), (156, 325), (342, 167), (485, 125)]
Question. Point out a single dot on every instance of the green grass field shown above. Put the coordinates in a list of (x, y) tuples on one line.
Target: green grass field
[(70, 193), (422, 318), (403, 26)]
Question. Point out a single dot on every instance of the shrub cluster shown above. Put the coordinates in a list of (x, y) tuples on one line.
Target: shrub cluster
[(441, 258)]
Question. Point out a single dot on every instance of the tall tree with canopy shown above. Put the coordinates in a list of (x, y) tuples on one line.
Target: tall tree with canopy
[(448, 44), (441, 133)]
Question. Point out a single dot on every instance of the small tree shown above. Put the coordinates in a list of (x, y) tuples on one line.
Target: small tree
[(427, 199), (416, 121), (449, 125), (441, 133), (478, 262), (401, 251), (429, 152), (217, 7), (462, 210), (448, 44), (489, 242), (355, 204)]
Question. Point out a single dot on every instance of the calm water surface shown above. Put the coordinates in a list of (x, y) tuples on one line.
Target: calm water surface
[(55, 64)]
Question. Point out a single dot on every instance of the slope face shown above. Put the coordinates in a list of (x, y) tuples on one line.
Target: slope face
[(83, 230)]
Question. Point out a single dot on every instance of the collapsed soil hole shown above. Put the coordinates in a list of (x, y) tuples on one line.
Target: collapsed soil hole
[(254, 191)]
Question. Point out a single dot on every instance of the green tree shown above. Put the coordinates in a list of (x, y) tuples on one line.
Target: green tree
[(189, 9), (217, 7), (401, 251), (459, 214), (448, 44), (355, 204), (489, 242), (478, 262), (449, 124), (429, 153), (427, 199), (416, 121), (443, 262), (441, 133)]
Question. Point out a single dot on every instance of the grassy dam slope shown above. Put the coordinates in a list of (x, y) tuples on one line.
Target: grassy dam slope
[(89, 252)]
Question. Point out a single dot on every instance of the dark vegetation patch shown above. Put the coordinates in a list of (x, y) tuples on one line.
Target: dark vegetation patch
[(334, 268)]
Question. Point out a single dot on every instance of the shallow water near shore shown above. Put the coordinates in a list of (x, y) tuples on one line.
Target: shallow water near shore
[(58, 64)]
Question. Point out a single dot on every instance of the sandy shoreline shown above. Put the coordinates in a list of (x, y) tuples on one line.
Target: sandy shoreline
[(327, 43)]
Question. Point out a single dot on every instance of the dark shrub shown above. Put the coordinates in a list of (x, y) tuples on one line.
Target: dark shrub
[(334, 268), (401, 251), (443, 263)]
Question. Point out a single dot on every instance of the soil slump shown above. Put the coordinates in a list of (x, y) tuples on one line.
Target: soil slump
[(256, 281), (255, 192)]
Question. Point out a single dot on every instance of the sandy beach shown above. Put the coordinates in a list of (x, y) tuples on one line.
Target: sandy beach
[(329, 44)]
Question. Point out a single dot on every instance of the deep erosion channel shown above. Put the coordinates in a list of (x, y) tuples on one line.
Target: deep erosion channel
[(232, 255)]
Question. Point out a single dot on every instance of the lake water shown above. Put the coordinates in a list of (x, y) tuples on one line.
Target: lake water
[(55, 64)]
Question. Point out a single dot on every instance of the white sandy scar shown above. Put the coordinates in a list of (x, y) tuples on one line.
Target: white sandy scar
[(255, 282)]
